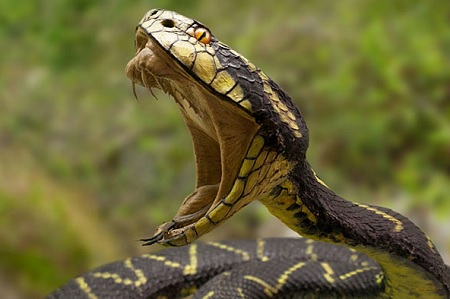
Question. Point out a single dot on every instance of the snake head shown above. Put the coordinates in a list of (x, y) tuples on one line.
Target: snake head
[(242, 124)]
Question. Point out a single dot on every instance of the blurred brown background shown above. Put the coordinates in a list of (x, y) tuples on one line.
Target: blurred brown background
[(86, 170)]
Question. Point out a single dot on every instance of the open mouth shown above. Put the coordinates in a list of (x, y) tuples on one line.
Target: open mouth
[(221, 133)]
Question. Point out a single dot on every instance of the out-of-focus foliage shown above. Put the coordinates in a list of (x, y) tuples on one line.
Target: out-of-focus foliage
[(85, 170)]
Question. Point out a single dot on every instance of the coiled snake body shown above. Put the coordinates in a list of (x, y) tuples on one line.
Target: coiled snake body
[(250, 143)]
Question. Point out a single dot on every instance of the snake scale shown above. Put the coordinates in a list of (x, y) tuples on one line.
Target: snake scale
[(250, 143)]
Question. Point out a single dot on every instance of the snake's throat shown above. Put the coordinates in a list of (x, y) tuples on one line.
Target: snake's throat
[(221, 133)]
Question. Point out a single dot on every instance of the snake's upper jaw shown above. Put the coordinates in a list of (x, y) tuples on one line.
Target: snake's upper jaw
[(221, 134)]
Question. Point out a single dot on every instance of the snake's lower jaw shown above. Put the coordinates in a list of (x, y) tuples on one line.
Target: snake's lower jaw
[(194, 207), (166, 234)]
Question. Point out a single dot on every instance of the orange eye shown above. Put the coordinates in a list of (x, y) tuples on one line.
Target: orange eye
[(202, 35)]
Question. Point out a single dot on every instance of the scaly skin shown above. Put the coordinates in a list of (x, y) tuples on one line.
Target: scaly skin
[(250, 143)]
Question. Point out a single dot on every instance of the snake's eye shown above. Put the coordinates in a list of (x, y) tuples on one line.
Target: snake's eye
[(202, 35)]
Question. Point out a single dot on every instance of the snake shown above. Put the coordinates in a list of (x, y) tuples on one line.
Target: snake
[(250, 142)]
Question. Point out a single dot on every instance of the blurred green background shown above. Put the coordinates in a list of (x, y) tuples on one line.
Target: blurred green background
[(86, 170)]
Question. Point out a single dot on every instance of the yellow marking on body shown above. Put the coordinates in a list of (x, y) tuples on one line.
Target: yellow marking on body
[(251, 66), (310, 250), (260, 246), (236, 94), (270, 163), (85, 288), (255, 147), (289, 186), (209, 295), (283, 108), (294, 127), (127, 281), (163, 260), (236, 192), (241, 292), (244, 254), (328, 272), (246, 167), (280, 108), (141, 279), (355, 272), (251, 182), (379, 278), (285, 276), (106, 275), (319, 180), (247, 105), (285, 119), (398, 224), (430, 244), (267, 88), (190, 234), (204, 67), (202, 226), (260, 160), (223, 82), (191, 268), (283, 199), (268, 289), (138, 272), (291, 116), (305, 210), (271, 157), (218, 213), (292, 123), (277, 109)]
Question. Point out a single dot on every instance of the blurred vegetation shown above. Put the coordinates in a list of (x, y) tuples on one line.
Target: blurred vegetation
[(85, 170)]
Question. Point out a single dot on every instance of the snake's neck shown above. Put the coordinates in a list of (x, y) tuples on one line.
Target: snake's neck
[(313, 210)]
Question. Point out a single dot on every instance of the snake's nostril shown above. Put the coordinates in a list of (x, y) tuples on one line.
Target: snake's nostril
[(168, 23)]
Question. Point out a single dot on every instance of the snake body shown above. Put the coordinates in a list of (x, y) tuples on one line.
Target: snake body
[(250, 143)]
